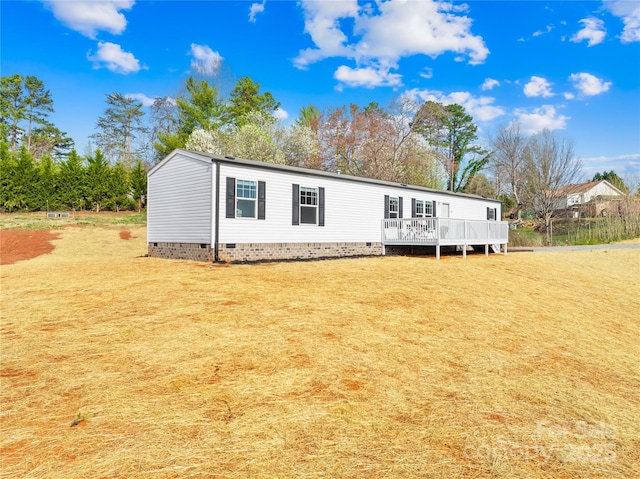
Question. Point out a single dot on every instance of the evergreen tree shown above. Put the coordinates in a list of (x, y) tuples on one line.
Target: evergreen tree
[(118, 187), (119, 127), (72, 177), (200, 108), (22, 182), (49, 140), (97, 180), (247, 100), (138, 184), (613, 178), (48, 197), (6, 161), (13, 109), (38, 103), (450, 131)]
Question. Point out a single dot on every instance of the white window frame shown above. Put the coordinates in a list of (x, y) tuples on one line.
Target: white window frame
[(240, 187), (309, 200), (394, 201), (427, 209)]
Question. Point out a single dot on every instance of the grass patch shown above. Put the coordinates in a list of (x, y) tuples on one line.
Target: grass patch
[(506, 367), (584, 231), (39, 220)]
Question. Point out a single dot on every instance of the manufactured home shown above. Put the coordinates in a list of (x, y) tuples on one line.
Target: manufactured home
[(211, 208)]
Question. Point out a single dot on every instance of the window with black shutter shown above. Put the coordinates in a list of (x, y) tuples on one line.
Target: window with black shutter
[(308, 206), (245, 199)]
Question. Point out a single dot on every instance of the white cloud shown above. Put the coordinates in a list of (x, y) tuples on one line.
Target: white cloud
[(489, 84), (412, 28), (629, 12), (205, 61), (592, 30), (368, 77), (112, 57), (480, 108), (538, 86), (255, 9), (545, 117), (142, 98), (281, 114), (543, 32), (385, 32), (88, 18), (588, 84), (568, 95), (628, 166), (427, 73), (322, 23)]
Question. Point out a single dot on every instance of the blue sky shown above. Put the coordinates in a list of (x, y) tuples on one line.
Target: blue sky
[(570, 66)]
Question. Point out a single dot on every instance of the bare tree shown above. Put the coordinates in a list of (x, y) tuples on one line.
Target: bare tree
[(551, 165), (509, 162)]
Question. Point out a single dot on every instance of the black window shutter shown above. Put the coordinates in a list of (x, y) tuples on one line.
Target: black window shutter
[(231, 197), (320, 206), (386, 206), (413, 207), (488, 213), (295, 201), (261, 200), (433, 211), (400, 207)]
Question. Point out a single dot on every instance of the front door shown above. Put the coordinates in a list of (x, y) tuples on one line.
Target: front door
[(444, 210)]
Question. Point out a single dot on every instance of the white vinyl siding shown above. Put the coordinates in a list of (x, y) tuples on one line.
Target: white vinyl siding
[(182, 196), (179, 201), (353, 210)]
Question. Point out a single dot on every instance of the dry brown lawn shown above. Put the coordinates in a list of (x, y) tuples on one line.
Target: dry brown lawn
[(115, 365)]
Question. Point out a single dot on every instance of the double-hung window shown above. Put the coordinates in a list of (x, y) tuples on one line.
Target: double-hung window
[(422, 208), (246, 199), (308, 205), (393, 207), (428, 209), (246, 195)]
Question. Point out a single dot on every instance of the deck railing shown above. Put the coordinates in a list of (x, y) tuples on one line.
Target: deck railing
[(444, 231)]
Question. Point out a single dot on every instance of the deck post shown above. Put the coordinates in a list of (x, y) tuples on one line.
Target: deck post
[(486, 249), (438, 250), (466, 234), (505, 249)]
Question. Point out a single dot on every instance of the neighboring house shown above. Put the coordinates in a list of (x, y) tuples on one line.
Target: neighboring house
[(593, 198), (211, 208)]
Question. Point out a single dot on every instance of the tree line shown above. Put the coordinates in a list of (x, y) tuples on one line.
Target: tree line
[(75, 183), (428, 144)]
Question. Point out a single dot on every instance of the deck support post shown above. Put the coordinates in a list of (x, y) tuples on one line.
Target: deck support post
[(464, 251), (486, 249), (505, 249), (438, 251)]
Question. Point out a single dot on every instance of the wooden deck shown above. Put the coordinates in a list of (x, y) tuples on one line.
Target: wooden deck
[(446, 232)]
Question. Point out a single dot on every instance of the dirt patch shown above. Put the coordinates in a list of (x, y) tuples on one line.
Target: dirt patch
[(21, 245), (125, 235)]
